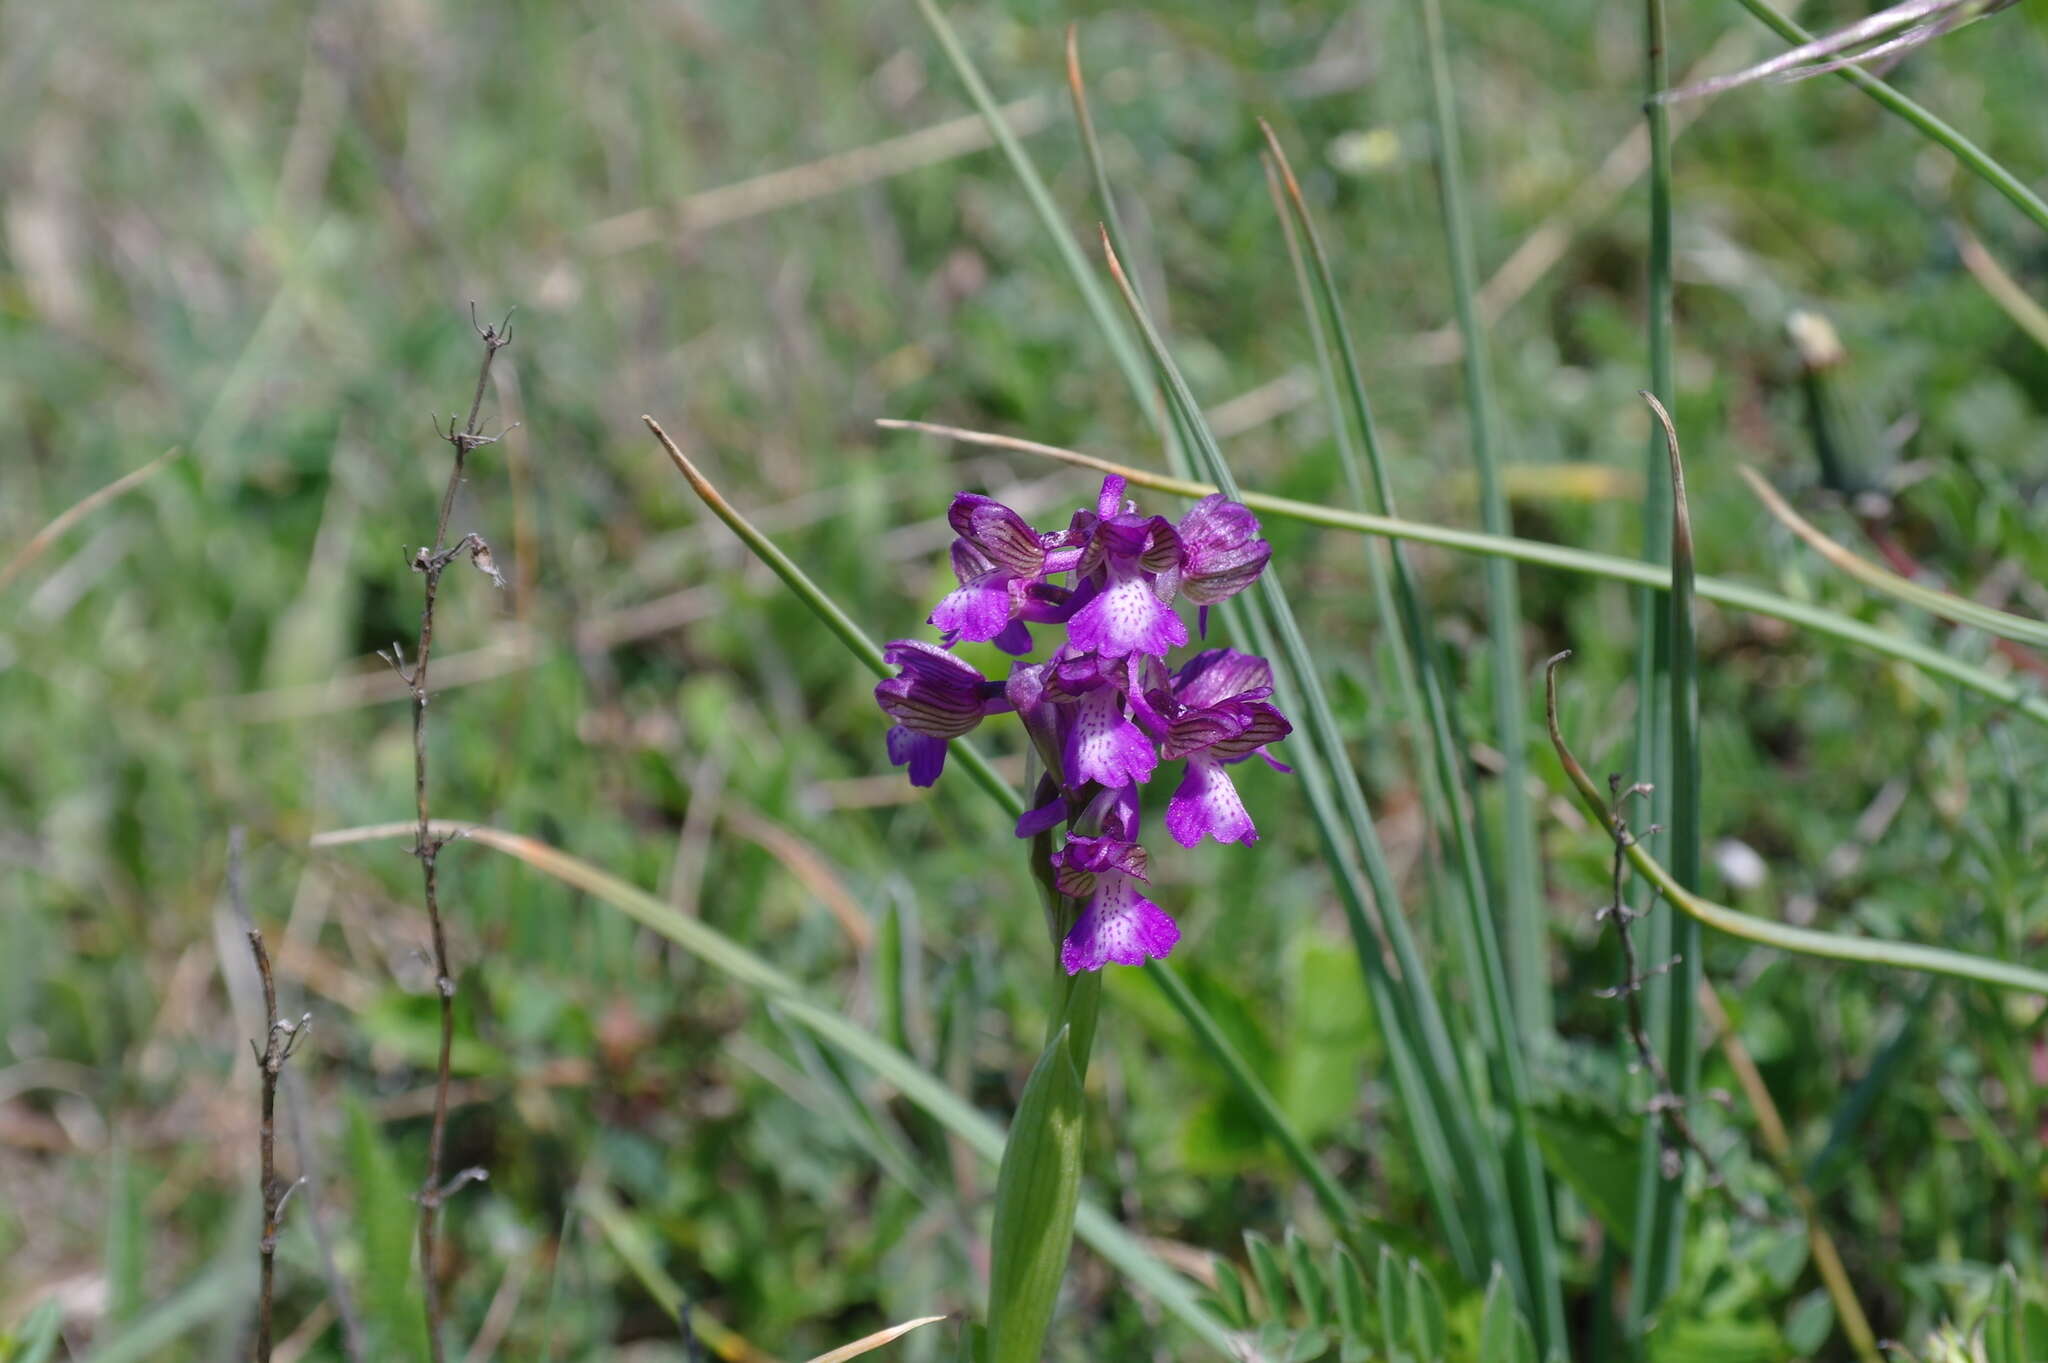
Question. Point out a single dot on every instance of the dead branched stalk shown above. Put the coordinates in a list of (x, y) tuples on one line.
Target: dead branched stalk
[(281, 1038), (430, 562), (1675, 1131)]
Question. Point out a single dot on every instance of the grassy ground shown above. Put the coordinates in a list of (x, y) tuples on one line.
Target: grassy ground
[(254, 234)]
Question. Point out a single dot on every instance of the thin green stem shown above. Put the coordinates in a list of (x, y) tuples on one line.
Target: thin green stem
[(1832, 946), (2020, 698), (1343, 1216), (1660, 1206), (1521, 876), (1930, 125)]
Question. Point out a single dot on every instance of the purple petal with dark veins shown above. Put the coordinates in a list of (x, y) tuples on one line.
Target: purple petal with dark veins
[(998, 532), (1206, 804), (1222, 554), (1219, 674), (923, 754), (1118, 927), (1104, 746), (1263, 725), (1126, 618)]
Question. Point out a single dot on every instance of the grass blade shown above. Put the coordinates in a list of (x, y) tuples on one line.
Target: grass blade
[(1739, 596), (1335, 1204), (1520, 878), (1947, 605), (1658, 1209), (920, 1087), (1520, 1233), (1660, 1233), (867, 1344), (1784, 937), (37, 543), (1933, 128)]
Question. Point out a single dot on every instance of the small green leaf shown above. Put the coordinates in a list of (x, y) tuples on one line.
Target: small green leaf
[(1497, 1317), (1347, 1283), (1596, 1154), (1037, 1190), (1426, 1312), (1393, 1295), (1268, 1273), (1811, 1320), (384, 1219), (1229, 1296), (1308, 1280)]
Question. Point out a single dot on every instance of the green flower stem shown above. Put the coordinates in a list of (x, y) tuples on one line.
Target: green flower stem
[(1763, 931), (1521, 876)]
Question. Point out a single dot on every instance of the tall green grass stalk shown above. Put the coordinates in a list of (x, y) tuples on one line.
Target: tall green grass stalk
[(1520, 875), (1660, 1201), (1520, 1234), (1930, 125)]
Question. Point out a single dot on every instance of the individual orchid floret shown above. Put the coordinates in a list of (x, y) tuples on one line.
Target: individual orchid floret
[(1138, 561), (1221, 553), (1099, 741), (1002, 565), (1218, 715), (1118, 925), (934, 699)]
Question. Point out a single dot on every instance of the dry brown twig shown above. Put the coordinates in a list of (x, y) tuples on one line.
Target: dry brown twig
[(430, 562), (281, 1038), (1675, 1131)]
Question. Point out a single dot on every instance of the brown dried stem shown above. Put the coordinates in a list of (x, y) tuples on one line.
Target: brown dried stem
[(430, 562), (280, 1040), (1676, 1133)]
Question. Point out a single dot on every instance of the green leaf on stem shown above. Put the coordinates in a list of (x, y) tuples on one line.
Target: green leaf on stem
[(1037, 1189)]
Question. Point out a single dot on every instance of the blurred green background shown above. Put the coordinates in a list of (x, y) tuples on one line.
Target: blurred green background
[(253, 232)]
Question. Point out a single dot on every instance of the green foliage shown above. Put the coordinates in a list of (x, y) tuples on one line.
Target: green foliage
[(250, 233), (1321, 1308), (1036, 1192)]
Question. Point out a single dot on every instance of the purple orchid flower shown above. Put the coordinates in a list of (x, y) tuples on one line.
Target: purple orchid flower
[(1118, 925), (1221, 553), (1102, 710), (1219, 715), (935, 699), (1137, 561), (1002, 565)]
